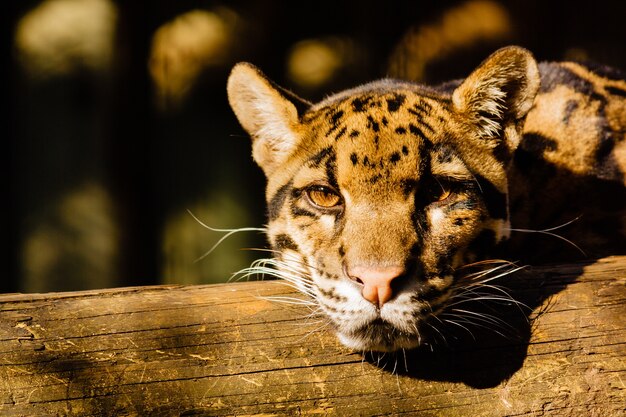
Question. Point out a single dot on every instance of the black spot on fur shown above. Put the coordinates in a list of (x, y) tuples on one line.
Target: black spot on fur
[(284, 241), (538, 144), (366, 162), (354, 133), (393, 104), (342, 251), (354, 158), (278, 200), (385, 121), (360, 104), (331, 294), (395, 157), (405, 150), (494, 199), (341, 133), (400, 130), (374, 179), (372, 124), (335, 118), (459, 221)]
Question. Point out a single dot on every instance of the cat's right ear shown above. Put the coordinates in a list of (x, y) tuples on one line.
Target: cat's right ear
[(267, 112)]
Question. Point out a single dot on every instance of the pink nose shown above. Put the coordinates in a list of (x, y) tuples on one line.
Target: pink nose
[(376, 282)]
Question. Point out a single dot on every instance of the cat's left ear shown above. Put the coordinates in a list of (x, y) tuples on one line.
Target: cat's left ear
[(270, 114), (499, 93)]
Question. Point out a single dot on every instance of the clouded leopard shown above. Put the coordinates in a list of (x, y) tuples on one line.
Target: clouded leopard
[(380, 196)]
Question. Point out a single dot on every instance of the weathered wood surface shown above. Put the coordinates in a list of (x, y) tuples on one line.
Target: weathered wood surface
[(225, 350)]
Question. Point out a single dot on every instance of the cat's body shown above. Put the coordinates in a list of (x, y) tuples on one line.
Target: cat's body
[(379, 196)]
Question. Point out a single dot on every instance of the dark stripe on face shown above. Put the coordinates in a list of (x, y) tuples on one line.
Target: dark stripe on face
[(335, 121), (421, 109), (300, 212), (616, 91), (427, 126), (341, 133), (417, 132), (494, 199), (317, 158), (331, 170), (278, 200), (283, 241)]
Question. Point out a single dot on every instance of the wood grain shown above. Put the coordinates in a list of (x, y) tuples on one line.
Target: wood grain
[(227, 350)]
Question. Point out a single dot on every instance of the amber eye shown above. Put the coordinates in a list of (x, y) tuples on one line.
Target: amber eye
[(323, 196)]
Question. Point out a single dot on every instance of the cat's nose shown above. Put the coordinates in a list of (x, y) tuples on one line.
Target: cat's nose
[(376, 282)]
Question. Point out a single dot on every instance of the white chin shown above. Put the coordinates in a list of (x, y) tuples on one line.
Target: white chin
[(362, 344)]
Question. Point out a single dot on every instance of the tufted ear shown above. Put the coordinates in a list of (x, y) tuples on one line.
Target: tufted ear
[(267, 112), (499, 93)]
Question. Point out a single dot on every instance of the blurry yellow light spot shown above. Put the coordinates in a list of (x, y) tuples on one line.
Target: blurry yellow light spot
[(312, 63), (73, 244), (184, 47), (459, 27), (59, 37)]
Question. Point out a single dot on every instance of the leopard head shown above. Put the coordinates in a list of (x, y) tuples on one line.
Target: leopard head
[(377, 196)]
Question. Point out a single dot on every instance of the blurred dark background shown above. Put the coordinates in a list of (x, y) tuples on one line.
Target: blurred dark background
[(116, 120)]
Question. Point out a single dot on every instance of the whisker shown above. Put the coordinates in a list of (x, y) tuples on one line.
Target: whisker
[(288, 300), (551, 229), (461, 326), (229, 232)]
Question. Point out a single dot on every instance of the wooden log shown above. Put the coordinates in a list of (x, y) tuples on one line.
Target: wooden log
[(231, 350)]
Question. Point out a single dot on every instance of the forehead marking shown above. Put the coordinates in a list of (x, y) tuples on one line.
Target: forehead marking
[(394, 103)]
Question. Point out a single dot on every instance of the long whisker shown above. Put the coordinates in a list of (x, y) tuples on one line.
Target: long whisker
[(549, 233), (229, 232)]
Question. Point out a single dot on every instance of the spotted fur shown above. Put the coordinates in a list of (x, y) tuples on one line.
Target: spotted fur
[(431, 179)]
